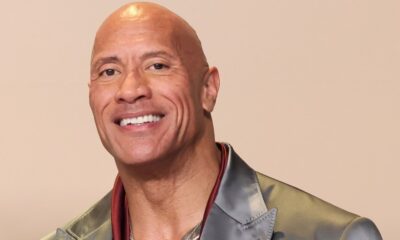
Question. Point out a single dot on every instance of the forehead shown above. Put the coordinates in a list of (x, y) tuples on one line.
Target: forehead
[(125, 35)]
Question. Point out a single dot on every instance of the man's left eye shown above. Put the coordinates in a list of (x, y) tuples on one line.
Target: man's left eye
[(158, 66)]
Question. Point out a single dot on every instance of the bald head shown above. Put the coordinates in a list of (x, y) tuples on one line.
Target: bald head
[(141, 17), (146, 12)]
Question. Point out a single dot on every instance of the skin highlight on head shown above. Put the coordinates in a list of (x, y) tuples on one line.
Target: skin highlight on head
[(148, 63)]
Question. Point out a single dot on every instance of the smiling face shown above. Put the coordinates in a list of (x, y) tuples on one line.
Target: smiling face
[(150, 89)]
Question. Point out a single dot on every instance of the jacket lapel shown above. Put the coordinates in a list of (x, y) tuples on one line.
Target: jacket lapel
[(93, 224), (239, 211)]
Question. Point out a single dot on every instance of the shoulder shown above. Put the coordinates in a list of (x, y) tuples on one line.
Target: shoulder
[(291, 199), (361, 228), (95, 223), (301, 215)]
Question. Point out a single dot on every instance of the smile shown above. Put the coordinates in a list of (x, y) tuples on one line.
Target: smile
[(140, 120)]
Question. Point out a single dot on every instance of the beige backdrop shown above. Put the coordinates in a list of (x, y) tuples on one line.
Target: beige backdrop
[(310, 95)]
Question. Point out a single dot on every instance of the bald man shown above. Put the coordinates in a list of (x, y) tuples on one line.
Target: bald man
[(152, 94)]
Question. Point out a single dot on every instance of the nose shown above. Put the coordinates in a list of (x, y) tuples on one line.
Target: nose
[(133, 88)]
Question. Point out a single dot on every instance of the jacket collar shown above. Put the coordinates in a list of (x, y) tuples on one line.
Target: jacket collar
[(239, 210), (93, 224)]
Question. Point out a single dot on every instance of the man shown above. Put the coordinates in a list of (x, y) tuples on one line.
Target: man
[(152, 94)]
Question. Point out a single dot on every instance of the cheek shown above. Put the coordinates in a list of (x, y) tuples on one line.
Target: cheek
[(185, 99), (178, 94), (99, 98)]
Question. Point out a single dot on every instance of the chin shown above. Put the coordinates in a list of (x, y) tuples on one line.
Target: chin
[(141, 157)]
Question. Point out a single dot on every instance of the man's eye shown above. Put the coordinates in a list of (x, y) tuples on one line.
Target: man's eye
[(158, 66), (108, 72)]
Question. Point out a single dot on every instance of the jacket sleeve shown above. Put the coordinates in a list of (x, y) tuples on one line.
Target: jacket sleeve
[(361, 229)]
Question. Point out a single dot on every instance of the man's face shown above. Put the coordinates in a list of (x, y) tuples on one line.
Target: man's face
[(145, 101)]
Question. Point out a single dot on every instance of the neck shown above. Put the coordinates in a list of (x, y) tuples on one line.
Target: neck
[(169, 198)]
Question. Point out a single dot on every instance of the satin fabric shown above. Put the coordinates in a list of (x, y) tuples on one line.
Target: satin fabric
[(248, 206)]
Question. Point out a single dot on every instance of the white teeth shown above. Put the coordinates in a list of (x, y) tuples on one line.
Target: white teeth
[(139, 120)]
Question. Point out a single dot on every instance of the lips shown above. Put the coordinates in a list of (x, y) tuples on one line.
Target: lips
[(139, 120)]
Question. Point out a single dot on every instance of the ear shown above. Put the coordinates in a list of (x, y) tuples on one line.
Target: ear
[(210, 89)]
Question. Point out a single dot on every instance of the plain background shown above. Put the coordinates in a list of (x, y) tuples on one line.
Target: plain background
[(310, 95)]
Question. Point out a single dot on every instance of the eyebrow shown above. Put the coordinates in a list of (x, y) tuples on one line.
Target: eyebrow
[(103, 60), (159, 53)]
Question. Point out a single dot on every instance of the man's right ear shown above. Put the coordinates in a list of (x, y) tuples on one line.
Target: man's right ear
[(210, 89)]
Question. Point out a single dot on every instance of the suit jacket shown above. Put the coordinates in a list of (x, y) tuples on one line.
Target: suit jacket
[(248, 206)]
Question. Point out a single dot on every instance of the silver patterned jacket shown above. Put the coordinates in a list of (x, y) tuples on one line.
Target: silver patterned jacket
[(248, 206)]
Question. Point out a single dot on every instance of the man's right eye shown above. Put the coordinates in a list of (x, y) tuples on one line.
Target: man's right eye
[(108, 72)]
